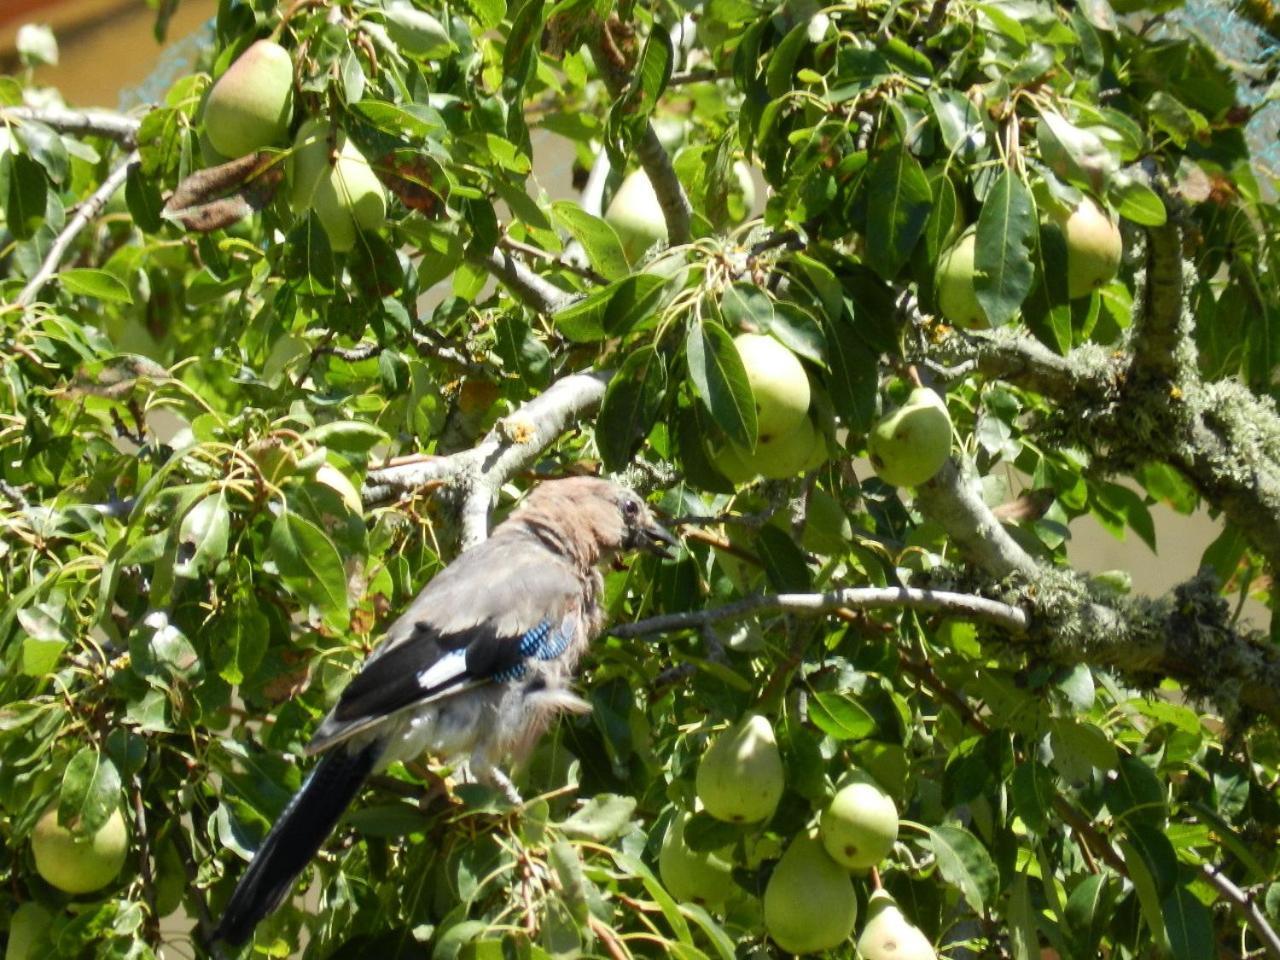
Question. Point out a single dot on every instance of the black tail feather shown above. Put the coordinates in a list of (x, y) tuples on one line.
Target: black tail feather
[(301, 830)]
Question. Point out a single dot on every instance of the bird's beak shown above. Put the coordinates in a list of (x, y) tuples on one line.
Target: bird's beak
[(658, 540)]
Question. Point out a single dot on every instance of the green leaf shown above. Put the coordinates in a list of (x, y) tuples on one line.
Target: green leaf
[(1006, 236), (1134, 794), (1137, 202), (720, 381), (24, 200), (1156, 853), (613, 310), (598, 239), (601, 818), (310, 566), (239, 641), (203, 535), (853, 382), (840, 717), (1024, 943), (784, 563), (1189, 926), (898, 203), (1033, 792), (1047, 309), (630, 113), (90, 791), (1149, 898), (347, 436), (630, 408), (965, 864)]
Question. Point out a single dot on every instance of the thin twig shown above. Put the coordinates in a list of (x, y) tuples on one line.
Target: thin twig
[(100, 123), (508, 243), (87, 212), (813, 604), (527, 286), (1246, 906)]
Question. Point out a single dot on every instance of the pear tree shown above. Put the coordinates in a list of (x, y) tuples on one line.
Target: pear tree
[(886, 307)]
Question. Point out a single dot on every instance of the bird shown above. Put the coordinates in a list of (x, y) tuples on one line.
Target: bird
[(476, 667)]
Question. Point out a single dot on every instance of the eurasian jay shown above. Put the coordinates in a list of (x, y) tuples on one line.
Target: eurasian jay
[(476, 667)]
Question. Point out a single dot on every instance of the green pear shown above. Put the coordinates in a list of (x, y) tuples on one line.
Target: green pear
[(740, 778), (809, 904), (781, 456), (860, 824), (698, 876), (888, 935), (636, 216), (331, 176), (1094, 248), (953, 285), (74, 863), (778, 383), (26, 931), (909, 445), (250, 105)]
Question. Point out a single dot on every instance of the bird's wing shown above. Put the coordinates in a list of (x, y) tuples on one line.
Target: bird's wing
[(479, 621)]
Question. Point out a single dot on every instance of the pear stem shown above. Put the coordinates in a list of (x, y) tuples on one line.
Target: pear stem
[(875, 879)]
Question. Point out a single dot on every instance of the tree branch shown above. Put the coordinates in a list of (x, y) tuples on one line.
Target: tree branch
[(653, 157), (812, 604), (953, 502), (529, 288), (1246, 906), (89, 209), (1188, 636), (99, 123), (513, 445), (1162, 346)]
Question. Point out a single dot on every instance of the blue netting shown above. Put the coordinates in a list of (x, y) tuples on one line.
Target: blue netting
[(1247, 48)]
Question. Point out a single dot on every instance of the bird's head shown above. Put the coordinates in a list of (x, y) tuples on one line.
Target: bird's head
[(600, 517)]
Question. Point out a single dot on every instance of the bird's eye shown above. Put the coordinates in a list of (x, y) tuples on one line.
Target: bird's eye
[(630, 508)]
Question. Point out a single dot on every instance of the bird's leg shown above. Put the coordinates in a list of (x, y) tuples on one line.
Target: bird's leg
[(485, 771)]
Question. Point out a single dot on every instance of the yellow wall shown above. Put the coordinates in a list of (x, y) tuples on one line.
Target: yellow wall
[(106, 47)]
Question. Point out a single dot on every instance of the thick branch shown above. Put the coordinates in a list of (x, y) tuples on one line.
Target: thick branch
[(955, 504), (513, 445), (811, 604), (98, 123), (1128, 412), (649, 149), (1008, 353), (89, 209), (529, 288), (1188, 637), (1161, 333)]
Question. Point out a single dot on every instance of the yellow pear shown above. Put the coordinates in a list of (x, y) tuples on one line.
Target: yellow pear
[(331, 176), (782, 455), (888, 935), (740, 777), (1094, 248), (953, 285), (699, 876), (809, 904), (778, 383), (250, 105), (79, 864), (26, 930), (910, 444), (860, 824), (636, 216)]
